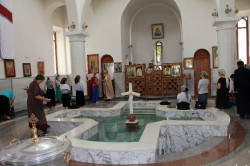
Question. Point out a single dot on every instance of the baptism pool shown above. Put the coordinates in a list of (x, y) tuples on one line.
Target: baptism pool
[(114, 129), (163, 131)]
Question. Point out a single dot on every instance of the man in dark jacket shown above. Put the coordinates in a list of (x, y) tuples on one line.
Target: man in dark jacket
[(242, 89)]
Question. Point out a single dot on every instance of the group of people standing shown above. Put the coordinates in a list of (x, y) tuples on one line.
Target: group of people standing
[(36, 96), (238, 86), (107, 87)]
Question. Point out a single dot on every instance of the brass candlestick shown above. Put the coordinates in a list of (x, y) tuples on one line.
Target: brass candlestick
[(33, 120)]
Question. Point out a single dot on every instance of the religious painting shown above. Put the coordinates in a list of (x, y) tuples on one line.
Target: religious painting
[(167, 70), (188, 63), (131, 72), (215, 56), (93, 63), (139, 72), (176, 70), (118, 67), (157, 31), (40, 67), (9, 65), (26, 69)]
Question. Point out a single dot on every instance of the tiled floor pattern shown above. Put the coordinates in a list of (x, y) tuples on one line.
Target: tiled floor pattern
[(233, 150)]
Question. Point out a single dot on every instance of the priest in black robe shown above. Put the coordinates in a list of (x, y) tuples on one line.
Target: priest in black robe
[(242, 89)]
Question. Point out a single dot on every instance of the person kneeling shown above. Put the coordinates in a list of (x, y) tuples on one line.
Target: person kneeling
[(183, 99)]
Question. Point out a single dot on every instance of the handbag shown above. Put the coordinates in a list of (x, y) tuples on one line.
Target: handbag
[(199, 105)]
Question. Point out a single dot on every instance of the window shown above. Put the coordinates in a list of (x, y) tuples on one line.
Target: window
[(242, 40), (158, 52), (55, 52)]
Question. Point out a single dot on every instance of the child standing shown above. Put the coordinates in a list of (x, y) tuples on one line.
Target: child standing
[(65, 90)]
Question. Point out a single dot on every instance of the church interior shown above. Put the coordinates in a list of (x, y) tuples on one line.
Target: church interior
[(150, 49)]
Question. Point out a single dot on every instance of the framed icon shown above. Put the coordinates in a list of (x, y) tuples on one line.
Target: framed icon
[(167, 70), (131, 71), (9, 66), (188, 63), (139, 72), (215, 56), (93, 63), (118, 67), (26, 69), (157, 31), (40, 67)]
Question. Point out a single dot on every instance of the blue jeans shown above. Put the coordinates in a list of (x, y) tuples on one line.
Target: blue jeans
[(95, 94), (203, 98)]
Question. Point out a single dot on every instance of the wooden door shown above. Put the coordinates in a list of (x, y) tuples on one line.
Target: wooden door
[(201, 63), (153, 81)]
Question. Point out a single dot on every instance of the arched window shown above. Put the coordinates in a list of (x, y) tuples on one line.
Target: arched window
[(242, 40), (158, 50)]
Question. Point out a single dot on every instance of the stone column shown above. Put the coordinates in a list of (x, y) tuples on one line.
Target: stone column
[(78, 62), (226, 38)]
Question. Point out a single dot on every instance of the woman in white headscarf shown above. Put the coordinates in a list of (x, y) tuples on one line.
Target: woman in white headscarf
[(222, 98), (203, 88)]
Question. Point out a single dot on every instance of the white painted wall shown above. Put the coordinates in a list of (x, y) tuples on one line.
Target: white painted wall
[(33, 42), (103, 20), (198, 31), (32, 36), (60, 24), (144, 46)]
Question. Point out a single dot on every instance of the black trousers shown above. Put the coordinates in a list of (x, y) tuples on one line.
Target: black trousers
[(66, 100), (4, 105), (80, 99)]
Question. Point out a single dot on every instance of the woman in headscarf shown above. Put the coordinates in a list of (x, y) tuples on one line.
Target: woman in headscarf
[(35, 103), (183, 99), (222, 98), (184, 96), (95, 86), (203, 88)]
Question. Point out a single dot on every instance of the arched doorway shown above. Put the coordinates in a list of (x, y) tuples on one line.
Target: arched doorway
[(107, 63), (201, 63)]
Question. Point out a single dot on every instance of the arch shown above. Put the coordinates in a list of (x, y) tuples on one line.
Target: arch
[(106, 59), (201, 63), (133, 9), (51, 6)]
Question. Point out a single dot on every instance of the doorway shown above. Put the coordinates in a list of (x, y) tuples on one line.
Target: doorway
[(107, 63), (201, 63)]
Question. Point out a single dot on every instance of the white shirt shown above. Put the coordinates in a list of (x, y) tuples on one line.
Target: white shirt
[(78, 87), (65, 88), (203, 86), (182, 97)]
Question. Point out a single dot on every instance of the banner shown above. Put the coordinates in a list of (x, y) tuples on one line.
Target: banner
[(6, 30)]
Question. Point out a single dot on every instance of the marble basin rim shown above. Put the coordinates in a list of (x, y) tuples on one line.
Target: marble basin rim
[(132, 152)]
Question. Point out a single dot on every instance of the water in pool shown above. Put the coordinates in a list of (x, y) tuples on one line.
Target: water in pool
[(113, 129)]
